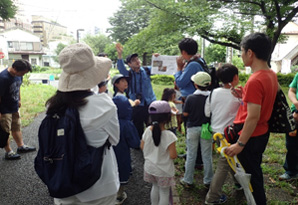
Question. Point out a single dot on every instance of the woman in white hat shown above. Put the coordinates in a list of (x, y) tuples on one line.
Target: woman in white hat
[(98, 115)]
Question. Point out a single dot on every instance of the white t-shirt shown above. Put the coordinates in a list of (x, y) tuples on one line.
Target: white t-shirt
[(157, 158), (99, 121), (223, 106), (178, 105)]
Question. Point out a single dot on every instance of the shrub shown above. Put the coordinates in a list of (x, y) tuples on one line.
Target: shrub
[(38, 69), (285, 79), (163, 79)]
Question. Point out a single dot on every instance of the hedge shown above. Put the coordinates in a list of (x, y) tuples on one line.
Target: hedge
[(283, 79)]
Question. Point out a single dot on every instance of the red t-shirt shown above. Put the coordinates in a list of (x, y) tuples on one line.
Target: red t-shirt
[(261, 89)]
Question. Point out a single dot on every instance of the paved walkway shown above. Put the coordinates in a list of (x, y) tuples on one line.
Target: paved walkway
[(19, 184)]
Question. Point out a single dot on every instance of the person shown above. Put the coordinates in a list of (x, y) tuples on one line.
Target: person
[(169, 95), (187, 66), (159, 149), (128, 139), (178, 102), (222, 107), (98, 116), (139, 87), (291, 163), (194, 111), (258, 97), (120, 85), (10, 102), (102, 86), (101, 54)]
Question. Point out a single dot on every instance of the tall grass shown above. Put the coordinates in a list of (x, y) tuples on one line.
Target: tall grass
[(33, 98)]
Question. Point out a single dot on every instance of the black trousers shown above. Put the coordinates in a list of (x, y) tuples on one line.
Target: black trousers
[(251, 159), (140, 117)]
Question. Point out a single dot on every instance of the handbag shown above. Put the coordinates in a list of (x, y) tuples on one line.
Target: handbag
[(206, 132), (281, 120), (231, 132)]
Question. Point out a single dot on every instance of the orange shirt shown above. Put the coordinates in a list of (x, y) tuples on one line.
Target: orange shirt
[(261, 89)]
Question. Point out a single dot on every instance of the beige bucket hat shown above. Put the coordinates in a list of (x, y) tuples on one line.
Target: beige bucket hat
[(81, 69)]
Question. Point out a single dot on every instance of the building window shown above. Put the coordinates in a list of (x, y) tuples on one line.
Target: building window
[(26, 46)]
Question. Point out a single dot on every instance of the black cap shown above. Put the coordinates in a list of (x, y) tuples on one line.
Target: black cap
[(102, 83), (129, 57)]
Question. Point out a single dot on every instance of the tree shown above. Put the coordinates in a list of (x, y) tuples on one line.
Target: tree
[(215, 53), (59, 48), (97, 43), (128, 21), (223, 22), (7, 9)]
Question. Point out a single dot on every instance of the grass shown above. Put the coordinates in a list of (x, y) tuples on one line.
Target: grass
[(278, 192), (34, 97)]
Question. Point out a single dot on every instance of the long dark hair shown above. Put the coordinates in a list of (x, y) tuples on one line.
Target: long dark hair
[(156, 120), (59, 102)]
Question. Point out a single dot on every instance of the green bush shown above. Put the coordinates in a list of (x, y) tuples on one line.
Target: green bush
[(163, 79), (243, 77), (39, 69), (237, 61), (285, 79)]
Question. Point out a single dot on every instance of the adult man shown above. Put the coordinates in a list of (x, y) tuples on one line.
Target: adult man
[(291, 163), (186, 66), (258, 97), (10, 101), (139, 88)]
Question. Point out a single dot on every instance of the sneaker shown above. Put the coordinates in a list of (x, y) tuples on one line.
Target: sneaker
[(222, 200), (25, 148), (185, 184), (238, 187), (287, 177), (121, 199), (12, 156)]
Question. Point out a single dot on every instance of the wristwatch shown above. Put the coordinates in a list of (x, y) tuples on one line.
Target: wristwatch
[(240, 143)]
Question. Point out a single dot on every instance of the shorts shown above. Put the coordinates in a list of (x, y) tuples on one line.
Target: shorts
[(11, 122), (161, 181)]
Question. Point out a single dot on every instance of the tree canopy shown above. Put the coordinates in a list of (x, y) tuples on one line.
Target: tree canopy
[(222, 22), (7, 9)]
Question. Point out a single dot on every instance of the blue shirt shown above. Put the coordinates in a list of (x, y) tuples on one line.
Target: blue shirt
[(140, 84), (183, 80), (9, 92)]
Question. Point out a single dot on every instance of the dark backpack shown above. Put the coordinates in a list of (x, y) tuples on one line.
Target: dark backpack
[(64, 162), (211, 70)]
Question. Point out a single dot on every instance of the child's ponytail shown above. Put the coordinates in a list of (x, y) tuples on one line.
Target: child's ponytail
[(156, 132)]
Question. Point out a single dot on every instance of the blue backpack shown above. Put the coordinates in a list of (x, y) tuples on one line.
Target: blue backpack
[(64, 162)]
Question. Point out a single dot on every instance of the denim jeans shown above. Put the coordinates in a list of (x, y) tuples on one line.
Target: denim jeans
[(291, 163), (192, 141)]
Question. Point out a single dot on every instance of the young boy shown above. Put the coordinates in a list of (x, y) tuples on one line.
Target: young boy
[(194, 111), (223, 106), (10, 102)]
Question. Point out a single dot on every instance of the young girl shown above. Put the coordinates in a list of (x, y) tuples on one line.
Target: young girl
[(120, 85), (129, 138), (169, 95), (158, 145)]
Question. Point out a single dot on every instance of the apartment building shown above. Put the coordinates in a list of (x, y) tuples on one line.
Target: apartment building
[(48, 30)]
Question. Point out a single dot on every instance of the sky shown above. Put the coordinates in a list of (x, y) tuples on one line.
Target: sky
[(74, 14)]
